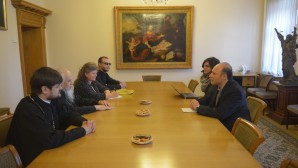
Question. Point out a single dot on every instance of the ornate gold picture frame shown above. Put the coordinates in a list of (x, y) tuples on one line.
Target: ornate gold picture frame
[(153, 37), (3, 19)]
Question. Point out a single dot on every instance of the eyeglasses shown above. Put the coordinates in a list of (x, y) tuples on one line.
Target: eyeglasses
[(106, 63)]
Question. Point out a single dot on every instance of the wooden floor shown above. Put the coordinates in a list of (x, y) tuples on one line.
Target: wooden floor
[(292, 130)]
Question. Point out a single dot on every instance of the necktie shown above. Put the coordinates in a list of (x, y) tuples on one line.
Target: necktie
[(217, 96)]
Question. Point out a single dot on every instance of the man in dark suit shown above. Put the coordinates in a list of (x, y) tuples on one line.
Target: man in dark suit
[(104, 78), (225, 100)]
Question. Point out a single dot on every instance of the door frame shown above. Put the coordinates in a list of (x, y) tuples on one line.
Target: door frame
[(30, 15)]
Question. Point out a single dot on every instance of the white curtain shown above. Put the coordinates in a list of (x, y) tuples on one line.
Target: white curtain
[(280, 14)]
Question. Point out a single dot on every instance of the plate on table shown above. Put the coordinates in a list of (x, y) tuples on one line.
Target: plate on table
[(125, 91), (145, 102), (143, 112), (142, 139)]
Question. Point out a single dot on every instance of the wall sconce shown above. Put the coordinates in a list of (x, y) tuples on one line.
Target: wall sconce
[(155, 2)]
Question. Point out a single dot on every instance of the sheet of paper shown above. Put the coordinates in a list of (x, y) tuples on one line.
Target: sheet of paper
[(119, 96), (188, 110)]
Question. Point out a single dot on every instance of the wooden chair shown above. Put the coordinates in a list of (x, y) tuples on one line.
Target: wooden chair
[(9, 157), (269, 95), (263, 83), (151, 77), (293, 108), (4, 111), (248, 134), (192, 85), (289, 163), (256, 106), (4, 127)]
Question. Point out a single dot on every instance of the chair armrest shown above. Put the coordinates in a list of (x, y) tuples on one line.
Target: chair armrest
[(4, 110)]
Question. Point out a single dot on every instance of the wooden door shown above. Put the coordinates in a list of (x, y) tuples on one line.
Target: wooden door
[(33, 52), (31, 31)]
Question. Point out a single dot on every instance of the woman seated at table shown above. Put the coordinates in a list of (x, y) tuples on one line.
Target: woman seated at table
[(207, 66), (87, 90)]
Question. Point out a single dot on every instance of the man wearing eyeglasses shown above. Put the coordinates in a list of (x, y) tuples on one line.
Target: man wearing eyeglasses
[(104, 78)]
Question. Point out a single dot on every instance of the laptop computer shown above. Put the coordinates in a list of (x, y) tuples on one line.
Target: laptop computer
[(186, 95)]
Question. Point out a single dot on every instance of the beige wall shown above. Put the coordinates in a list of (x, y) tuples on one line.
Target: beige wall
[(11, 89), (80, 31)]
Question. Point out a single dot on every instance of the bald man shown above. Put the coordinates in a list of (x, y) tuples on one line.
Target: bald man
[(225, 100), (67, 94)]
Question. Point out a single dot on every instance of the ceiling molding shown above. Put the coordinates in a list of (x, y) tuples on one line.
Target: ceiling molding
[(29, 7)]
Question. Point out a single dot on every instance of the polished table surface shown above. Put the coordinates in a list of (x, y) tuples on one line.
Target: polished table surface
[(180, 140)]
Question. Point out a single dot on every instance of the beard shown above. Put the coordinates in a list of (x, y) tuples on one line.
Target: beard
[(104, 70), (52, 97), (69, 95)]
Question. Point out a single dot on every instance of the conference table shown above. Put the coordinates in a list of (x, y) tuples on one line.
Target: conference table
[(180, 139)]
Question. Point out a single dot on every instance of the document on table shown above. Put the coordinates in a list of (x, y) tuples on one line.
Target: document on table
[(119, 96), (188, 110)]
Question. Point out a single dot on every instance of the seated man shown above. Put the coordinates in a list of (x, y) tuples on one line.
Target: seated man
[(104, 78), (225, 99), (68, 97), (39, 121)]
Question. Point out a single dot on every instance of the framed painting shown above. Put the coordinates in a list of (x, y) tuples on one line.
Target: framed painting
[(3, 24), (153, 37)]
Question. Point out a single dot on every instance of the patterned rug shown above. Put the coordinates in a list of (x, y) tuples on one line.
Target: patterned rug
[(277, 146)]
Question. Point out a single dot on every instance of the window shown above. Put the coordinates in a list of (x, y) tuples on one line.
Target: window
[(279, 14)]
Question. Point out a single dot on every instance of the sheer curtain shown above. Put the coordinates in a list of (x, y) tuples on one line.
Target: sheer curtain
[(280, 14)]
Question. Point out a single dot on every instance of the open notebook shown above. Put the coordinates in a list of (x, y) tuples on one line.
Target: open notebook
[(186, 95)]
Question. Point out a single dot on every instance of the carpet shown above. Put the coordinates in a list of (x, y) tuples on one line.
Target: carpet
[(278, 145)]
